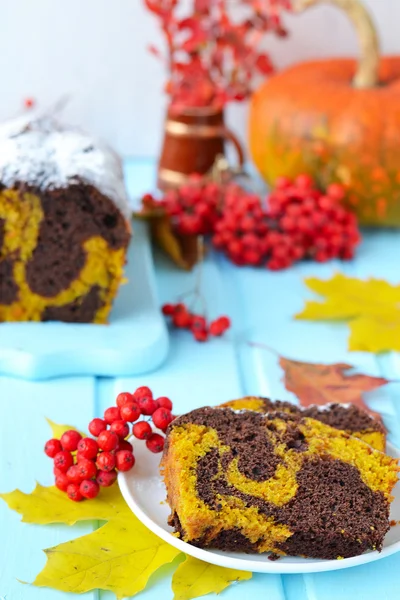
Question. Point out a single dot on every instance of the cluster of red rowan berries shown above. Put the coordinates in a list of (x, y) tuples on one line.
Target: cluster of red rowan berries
[(84, 464), (299, 221), (182, 318), (193, 208)]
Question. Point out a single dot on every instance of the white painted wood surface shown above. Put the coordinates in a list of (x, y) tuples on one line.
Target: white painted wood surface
[(95, 51)]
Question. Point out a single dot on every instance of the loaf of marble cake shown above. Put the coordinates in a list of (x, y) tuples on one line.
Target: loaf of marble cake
[(276, 482), (64, 224)]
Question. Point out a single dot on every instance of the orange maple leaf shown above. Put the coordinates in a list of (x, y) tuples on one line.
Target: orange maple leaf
[(321, 384), (182, 249)]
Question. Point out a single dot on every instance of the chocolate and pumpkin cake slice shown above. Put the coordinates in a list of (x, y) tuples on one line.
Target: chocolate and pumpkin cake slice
[(346, 417), (253, 482)]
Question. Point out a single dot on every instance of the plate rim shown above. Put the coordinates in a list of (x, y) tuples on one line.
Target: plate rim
[(276, 567)]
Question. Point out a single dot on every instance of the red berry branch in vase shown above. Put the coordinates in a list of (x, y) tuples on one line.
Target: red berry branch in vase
[(82, 465), (212, 49)]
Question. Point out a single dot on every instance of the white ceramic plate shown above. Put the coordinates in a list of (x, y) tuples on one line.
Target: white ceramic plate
[(144, 492)]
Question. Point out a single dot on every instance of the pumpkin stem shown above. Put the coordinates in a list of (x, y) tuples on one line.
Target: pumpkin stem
[(367, 75)]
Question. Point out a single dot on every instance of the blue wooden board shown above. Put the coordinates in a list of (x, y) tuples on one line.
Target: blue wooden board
[(261, 305), (135, 341)]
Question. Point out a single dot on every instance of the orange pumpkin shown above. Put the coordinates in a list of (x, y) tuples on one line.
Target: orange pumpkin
[(318, 118)]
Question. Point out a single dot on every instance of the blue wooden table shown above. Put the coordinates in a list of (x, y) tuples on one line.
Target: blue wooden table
[(261, 305)]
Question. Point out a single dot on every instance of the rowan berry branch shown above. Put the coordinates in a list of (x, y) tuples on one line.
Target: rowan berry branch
[(213, 51)]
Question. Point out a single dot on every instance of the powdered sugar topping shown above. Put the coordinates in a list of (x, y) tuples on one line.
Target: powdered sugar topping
[(43, 155)]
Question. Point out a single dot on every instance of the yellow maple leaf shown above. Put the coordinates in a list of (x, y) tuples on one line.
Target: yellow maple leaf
[(194, 578), (58, 430), (47, 505), (371, 307), (119, 557)]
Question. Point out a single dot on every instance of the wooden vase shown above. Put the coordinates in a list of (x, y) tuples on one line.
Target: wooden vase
[(192, 141)]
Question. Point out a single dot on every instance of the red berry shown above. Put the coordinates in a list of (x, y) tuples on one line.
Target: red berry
[(147, 405), (124, 445), (198, 323), (326, 204), (62, 482), (288, 223), (321, 256), (298, 252), (162, 417), (74, 475), (88, 448), (141, 392), (57, 472), (200, 335), (250, 241), (130, 412), (347, 254), (124, 460), (74, 493), (142, 430), (79, 456), (148, 199), (318, 219), (304, 181), (294, 210), (282, 183), (251, 257), (70, 439), (190, 224), (89, 489), (164, 402), (309, 206), (168, 309), (220, 325), (105, 461), (121, 428), (107, 441), (87, 468), (304, 225), (248, 224), (106, 478), (336, 191), (274, 264), (96, 426), (29, 102), (182, 319), (155, 443), (52, 447), (63, 460), (124, 398), (112, 414)]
